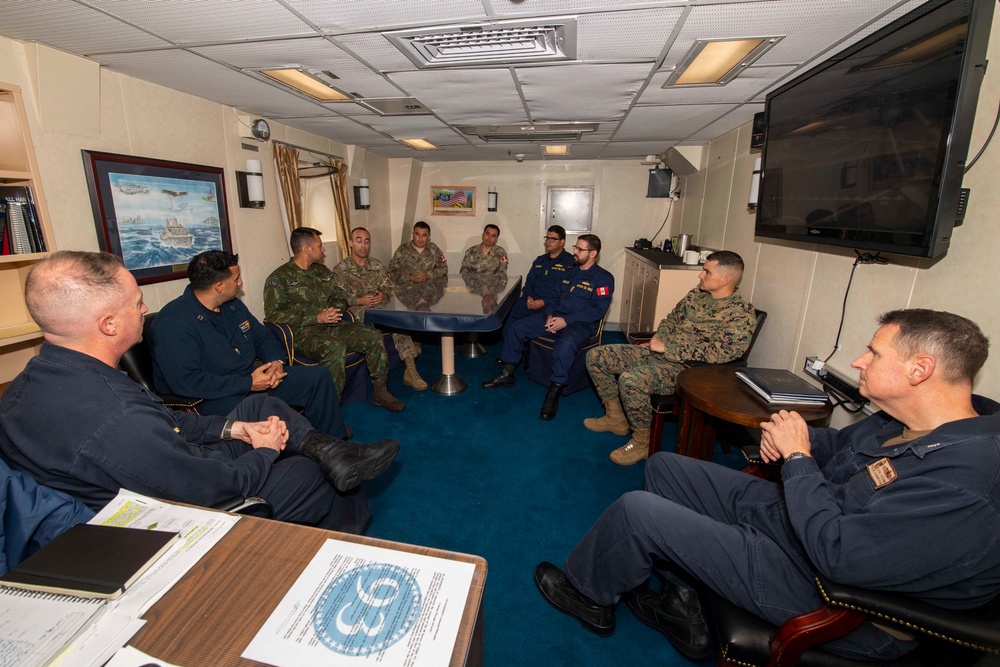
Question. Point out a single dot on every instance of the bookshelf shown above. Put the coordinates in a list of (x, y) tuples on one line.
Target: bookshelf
[(19, 169)]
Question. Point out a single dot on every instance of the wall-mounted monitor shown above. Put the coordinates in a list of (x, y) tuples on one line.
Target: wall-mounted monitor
[(867, 150), (659, 183)]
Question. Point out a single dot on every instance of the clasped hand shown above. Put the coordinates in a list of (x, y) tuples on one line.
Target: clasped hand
[(329, 316), (786, 433), (554, 324), (267, 376), (272, 434), (372, 299)]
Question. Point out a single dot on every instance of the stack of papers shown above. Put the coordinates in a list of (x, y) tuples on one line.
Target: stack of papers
[(781, 386)]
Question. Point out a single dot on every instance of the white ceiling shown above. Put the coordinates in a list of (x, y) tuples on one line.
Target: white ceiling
[(626, 50)]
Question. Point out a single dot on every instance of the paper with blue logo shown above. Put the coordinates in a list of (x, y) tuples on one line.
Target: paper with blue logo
[(359, 604)]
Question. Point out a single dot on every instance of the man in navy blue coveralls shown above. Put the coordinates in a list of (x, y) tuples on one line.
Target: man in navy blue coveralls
[(573, 317), (907, 500), (544, 279), (206, 343)]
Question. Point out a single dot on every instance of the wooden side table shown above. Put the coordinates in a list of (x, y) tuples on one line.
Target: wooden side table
[(704, 393)]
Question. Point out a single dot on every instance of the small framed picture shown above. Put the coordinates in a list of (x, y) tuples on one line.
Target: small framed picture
[(156, 215), (452, 201)]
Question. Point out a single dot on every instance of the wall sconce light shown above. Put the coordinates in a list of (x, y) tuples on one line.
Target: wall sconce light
[(491, 199), (362, 195), (754, 185), (250, 185)]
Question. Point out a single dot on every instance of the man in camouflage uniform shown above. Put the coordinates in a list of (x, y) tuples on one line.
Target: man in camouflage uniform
[(366, 282), (304, 295), (712, 323), (487, 257), (418, 261)]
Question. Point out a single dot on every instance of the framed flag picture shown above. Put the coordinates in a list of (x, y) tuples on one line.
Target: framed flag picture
[(452, 201)]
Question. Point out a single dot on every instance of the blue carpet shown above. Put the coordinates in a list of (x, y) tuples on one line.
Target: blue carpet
[(480, 473)]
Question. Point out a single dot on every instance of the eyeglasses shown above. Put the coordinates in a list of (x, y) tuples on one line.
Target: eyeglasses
[(551, 238), (579, 249)]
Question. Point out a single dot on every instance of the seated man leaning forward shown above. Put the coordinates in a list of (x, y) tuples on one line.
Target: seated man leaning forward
[(572, 318), (907, 500), (713, 323), (487, 257), (207, 343), (367, 284), (545, 277), (304, 295), (76, 423)]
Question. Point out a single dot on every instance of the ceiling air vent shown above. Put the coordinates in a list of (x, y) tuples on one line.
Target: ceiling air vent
[(394, 106), (537, 132), (488, 44)]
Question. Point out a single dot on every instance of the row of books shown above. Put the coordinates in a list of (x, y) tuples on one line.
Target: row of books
[(20, 228), (781, 386)]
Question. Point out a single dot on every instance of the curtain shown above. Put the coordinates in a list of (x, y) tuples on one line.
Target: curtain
[(287, 161), (338, 182)]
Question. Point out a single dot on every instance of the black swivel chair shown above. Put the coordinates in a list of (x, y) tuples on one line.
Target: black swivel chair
[(663, 404), (137, 363)]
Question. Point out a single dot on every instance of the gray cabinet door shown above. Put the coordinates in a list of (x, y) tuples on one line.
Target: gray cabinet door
[(571, 206)]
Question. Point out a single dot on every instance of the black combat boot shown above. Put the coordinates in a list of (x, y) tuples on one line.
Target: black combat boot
[(346, 465), (551, 403), (503, 379)]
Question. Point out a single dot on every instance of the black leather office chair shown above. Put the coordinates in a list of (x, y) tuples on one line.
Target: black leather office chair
[(137, 363), (948, 637), (663, 404)]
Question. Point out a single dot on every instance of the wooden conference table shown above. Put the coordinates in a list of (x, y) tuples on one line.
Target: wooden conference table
[(706, 392), (448, 307), (210, 616)]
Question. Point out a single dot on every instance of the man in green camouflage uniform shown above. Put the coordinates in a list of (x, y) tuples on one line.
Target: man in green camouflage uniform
[(366, 283), (418, 261), (304, 295), (487, 257), (712, 323)]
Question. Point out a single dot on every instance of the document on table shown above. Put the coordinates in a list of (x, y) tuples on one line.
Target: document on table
[(35, 627), (358, 604)]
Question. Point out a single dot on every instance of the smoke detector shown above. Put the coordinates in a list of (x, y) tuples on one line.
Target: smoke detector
[(519, 157)]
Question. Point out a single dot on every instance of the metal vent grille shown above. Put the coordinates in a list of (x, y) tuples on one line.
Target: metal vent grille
[(488, 44), (542, 132)]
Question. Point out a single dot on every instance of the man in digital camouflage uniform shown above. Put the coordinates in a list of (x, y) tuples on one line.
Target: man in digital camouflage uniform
[(304, 295), (366, 282), (418, 261), (487, 257), (713, 323)]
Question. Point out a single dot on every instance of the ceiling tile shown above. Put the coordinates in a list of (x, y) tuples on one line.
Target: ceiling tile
[(461, 96), (345, 15), (599, 92), (673, 123), (634, 35)]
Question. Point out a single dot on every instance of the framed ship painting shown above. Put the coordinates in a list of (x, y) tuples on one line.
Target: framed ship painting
[(156, 215)]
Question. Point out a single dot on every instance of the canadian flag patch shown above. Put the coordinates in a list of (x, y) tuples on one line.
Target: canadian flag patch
[(603, 291)]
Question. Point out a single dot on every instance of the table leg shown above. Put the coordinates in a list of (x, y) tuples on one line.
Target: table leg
[(684, 427), (449, 383), (703, 438), (472, 348)]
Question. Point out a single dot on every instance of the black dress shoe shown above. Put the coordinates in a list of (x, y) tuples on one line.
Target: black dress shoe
[(551, 403), (503, 379), (676, 613), (559, 592), (345, 465)]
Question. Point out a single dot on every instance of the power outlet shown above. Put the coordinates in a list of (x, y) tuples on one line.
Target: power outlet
[(833, 381)]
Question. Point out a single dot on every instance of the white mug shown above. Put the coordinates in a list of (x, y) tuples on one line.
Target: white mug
[(703, 255), (690, 256)]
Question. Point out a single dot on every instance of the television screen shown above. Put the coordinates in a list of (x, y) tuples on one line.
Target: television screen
[(659, 183), (867, 149)]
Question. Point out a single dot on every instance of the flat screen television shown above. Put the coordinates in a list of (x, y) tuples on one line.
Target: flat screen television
[(867, 150)]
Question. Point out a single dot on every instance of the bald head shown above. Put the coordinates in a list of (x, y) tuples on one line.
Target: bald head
[(69, 290)]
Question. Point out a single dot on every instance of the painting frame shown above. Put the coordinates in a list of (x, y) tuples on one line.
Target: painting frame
[(156, 214), (445, 202)]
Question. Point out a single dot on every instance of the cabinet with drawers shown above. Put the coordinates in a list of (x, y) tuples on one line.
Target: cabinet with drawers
[(654, 282)]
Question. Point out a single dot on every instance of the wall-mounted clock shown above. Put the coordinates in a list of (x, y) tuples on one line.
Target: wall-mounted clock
[(260, 129)]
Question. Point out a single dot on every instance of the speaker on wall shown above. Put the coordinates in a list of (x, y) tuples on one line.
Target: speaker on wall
[(758, 131), (659, 183)]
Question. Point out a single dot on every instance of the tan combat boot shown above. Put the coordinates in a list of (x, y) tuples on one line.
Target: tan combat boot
[(613, 421), (382, 398), (634, 450), (411, 378)]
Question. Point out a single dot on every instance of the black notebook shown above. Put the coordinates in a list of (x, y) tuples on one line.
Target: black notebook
[(781, 386), (91, 561)]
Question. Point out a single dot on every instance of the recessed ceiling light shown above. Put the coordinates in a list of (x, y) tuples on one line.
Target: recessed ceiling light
[(305, 82), (712, 62), (419, 144), (555, 150)]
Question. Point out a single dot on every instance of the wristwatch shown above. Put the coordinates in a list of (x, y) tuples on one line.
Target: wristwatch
[(796, 455)]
